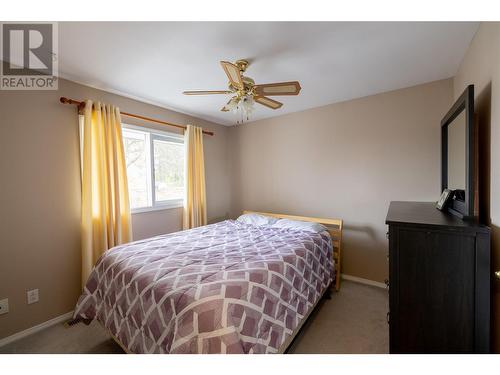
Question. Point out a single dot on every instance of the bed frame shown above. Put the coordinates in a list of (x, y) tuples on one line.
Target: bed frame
[(334, 227)]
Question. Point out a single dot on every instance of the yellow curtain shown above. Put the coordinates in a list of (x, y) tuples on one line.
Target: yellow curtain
[(195, 206), (105, 201)]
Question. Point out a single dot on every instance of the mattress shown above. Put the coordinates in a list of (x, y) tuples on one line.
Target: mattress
[(228, 287)]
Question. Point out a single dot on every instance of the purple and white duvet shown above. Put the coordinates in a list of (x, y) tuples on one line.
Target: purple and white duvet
[(222, 288)]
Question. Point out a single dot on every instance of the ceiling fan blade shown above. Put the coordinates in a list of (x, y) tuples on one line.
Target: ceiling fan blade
[(278, 88), (268, 102), (200, 92), (233, 73)]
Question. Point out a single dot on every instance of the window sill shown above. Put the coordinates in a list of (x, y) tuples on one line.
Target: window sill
[(156, 208)]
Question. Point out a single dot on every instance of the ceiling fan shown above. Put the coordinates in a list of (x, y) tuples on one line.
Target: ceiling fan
[(246, 92)]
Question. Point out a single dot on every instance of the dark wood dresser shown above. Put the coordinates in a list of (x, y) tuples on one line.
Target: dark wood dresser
[(439, 281)]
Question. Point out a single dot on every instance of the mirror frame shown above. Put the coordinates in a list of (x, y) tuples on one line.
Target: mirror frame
[(464, 103)]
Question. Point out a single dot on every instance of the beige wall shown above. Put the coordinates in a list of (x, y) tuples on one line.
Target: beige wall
[(40, 197), (481, 67), (345, 160)]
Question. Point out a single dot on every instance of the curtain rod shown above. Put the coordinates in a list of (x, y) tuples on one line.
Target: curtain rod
[(78, 103)]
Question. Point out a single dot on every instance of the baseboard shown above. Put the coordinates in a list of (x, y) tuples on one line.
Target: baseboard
[(363, 281), (35, 329)]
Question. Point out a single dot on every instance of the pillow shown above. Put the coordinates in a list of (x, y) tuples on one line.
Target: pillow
[(256, 219), (299, 225)]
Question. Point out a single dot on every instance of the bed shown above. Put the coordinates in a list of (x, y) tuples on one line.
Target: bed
[(228, 287)]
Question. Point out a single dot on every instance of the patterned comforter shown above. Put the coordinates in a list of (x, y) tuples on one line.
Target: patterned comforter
[(222, 288)]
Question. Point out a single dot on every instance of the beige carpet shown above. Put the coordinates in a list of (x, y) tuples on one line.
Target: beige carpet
[(353, 321)]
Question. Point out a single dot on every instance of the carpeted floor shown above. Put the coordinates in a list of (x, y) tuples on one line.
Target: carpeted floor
[(353, 321)]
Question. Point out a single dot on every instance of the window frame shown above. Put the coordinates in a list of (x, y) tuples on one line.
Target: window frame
[(161, 136)]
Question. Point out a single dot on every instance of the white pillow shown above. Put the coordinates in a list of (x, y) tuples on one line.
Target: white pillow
[(256, 219), (299, 225)]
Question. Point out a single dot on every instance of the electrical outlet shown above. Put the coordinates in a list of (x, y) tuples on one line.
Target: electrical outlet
[(32, 296), (4, 306)]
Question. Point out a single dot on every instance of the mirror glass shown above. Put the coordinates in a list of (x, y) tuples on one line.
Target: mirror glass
[(456, 153)]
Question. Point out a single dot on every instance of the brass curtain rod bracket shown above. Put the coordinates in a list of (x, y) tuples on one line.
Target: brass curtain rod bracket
[(80, 104)]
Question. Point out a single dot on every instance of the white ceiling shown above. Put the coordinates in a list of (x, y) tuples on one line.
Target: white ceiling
[(334, 61)]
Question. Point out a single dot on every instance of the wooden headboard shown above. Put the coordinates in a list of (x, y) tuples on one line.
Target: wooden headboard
[(334, 227)]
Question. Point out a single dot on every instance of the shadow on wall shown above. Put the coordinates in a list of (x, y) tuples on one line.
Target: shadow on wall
[(361, 228), (365, 251)]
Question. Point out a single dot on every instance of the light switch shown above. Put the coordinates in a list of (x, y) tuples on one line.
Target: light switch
[(32, 296)]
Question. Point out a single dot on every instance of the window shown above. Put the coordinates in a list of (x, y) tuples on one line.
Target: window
[(155, 168)]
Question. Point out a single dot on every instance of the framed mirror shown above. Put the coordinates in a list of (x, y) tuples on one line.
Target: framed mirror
[(458, 155)]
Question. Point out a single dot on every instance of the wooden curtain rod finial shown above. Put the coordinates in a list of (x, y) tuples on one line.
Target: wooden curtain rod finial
[(65, 100)]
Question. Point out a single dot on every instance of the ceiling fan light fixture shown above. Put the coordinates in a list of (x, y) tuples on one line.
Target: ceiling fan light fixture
[(232, 105), (247, 104), (247, 93), (242, 106)]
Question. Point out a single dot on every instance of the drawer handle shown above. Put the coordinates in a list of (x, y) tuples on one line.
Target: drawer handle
[(388, 317)]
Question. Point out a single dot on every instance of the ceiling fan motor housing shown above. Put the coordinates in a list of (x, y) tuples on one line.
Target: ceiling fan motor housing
[(248, 85)]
